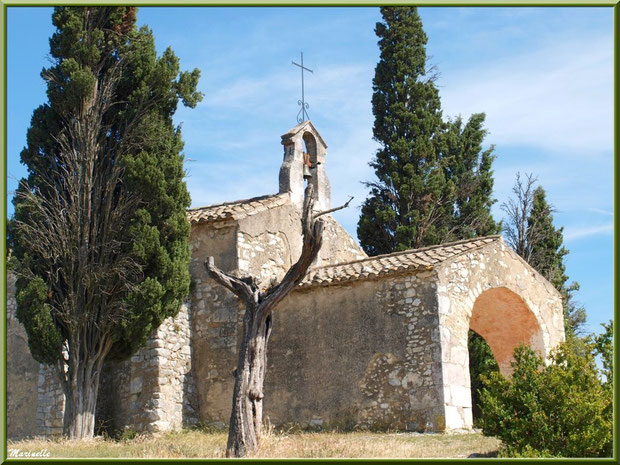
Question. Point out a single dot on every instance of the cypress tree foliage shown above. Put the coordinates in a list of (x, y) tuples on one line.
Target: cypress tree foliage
[(531, 233), (481, 364), (547, 251), (434, 180), (100, 236), (411, 194), (468, 166), (547, 257)]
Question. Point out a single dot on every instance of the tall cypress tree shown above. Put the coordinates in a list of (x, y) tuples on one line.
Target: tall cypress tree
[(547, 253), (531, 233), (411, 195), (100, 235), (468, 166), (434, 180)]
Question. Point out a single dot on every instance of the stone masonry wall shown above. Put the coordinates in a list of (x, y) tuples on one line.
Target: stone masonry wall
[(22, 373), (154, 390), (50, 403), (264, 245), (374, 362), (214, 316), (518, 305), (363, 354)]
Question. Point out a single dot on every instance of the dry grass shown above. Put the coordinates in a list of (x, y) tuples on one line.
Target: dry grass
[(187, 444)]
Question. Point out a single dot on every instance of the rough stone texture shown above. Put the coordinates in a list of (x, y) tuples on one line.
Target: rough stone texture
[(50, 403), (366, 353), (263, 245), (22, 373), (377, 342), (155, 389)]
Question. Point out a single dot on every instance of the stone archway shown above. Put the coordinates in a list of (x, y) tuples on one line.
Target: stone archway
[(493, 292), (504, 320)]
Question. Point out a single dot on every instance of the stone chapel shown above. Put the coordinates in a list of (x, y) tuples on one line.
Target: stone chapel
[(377, 342)]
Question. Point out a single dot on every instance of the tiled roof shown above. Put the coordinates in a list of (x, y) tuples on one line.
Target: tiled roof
[(235, 210), (380, 265)]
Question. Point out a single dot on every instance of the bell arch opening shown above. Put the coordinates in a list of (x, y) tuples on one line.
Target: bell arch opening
[(503, 320), (309, 158)]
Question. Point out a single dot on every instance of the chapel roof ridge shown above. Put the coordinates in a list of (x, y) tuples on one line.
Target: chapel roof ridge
[(412, 260), (486, 240), (236, 209)]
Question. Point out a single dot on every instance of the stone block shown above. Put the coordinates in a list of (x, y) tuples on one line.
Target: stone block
[(136, 385), (454, 420), (460, 396)]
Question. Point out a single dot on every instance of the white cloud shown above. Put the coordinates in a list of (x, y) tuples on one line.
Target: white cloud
[(600, 211), (557, 97), (571, 234)]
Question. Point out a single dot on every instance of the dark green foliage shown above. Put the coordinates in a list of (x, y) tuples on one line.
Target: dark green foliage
[(547, 251), (481, 363), (407, 112), (547, 254), (434, 180), (530, 232), (559, 410), (124, 266), (468, 166)]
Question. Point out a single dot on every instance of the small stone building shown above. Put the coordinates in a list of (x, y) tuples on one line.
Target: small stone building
[(375, 342)]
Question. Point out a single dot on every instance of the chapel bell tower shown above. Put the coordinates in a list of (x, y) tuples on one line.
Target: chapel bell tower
[(304, 162)]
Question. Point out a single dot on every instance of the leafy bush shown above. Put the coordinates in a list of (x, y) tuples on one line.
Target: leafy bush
[(563, 409), (481, 362)]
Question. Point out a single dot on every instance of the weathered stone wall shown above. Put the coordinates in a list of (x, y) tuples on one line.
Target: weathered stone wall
[(364, 353), (154, 390), (494, 292), (22, 373), (264, 245), (214, 316), (270, 242), (50, 403)]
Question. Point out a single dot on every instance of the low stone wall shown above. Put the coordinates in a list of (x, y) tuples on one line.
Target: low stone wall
[(363, 354)]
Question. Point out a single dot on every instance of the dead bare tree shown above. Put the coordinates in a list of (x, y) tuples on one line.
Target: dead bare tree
[(247, 405), (518, 208)]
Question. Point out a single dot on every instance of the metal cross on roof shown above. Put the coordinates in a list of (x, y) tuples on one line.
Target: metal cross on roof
[(303, 114)]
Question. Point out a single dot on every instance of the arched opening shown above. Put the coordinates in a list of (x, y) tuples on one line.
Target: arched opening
[(310, 157), (504, 320)]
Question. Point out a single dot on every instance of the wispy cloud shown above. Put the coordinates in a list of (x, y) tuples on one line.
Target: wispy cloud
[(556, 98), (600, 211), (571, 234)]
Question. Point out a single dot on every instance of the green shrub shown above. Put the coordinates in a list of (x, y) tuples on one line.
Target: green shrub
[(563, 409)]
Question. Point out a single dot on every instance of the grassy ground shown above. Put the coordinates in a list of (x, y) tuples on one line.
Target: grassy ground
[(283, 445)]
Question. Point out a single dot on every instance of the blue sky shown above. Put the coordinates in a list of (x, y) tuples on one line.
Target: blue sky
[(543, 76)]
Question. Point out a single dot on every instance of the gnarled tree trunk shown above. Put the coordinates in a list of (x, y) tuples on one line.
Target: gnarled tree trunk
[(80, 383), (247, 406)]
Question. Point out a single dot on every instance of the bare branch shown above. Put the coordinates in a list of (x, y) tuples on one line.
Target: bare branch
[(232, 283), (312, 230), (346, 204)]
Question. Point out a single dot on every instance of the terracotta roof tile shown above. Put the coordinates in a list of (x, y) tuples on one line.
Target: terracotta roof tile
[(235, 210), (410, 261)]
